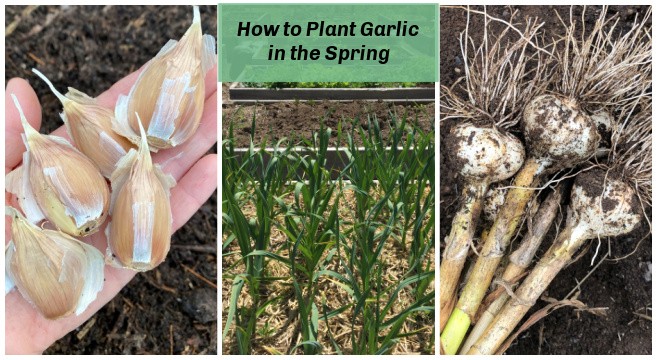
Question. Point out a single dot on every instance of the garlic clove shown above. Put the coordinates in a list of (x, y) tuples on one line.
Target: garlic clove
[(139, 234), (89, 125), (56, 273), (170, 92), (66, 186)]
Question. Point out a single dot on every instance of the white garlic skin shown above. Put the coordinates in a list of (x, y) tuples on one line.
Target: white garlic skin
[(601, 206), (486, 154), (493, 202), (603, 120), (558, 132)]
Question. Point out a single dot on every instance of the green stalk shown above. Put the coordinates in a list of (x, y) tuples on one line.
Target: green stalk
[(375, 222), (260, 182), (310, 233)]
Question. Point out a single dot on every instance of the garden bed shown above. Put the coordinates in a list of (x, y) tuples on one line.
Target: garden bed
[(299, 120), (318, 263), (279, 327), (241, 94)]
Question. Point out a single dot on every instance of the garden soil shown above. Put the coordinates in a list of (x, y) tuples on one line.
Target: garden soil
[(172, 309), (294, 120), (622, 289)]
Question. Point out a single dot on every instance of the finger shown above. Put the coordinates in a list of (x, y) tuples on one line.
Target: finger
[(29, 102), (24, 322), (194, 189), (211, 82), (176, 161)]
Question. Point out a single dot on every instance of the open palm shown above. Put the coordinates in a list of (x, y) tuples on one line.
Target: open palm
[(26, 331)]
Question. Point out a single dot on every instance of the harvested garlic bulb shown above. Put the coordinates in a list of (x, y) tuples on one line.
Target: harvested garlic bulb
[(56, 273), (139, 234), (485, 154), (170, 92), (58, 183), (559, 133), (601, 205), (89, 125), (482, 155)]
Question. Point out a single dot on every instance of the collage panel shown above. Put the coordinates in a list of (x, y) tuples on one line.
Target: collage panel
[(145, 291), (546, 179), (346, 188), (328, 197), (328, 176)]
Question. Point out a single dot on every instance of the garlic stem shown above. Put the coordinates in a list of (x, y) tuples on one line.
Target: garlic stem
[(519, 260), (457, 246), (63, 99), (484, 155)]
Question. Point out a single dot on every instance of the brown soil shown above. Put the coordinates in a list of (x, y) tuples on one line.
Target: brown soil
[(624, 286), (295, 120), (170, 309)]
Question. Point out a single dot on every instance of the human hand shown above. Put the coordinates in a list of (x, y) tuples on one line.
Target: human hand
[(26, 331)]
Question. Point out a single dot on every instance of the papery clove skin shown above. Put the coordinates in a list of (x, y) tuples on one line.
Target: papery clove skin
[(56, 273), (89, 125), (139, 234), (170, 92), (58, 183)]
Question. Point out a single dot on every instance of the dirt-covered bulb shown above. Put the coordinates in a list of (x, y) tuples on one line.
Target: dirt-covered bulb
[(558, 132), (485, 153), (601, 205)]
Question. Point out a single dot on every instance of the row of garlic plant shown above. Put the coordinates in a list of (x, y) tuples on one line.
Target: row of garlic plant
[(66, 186), (323, 243), (560, 132)]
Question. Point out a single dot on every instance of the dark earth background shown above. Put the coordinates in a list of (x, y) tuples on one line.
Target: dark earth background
[(172, 309), (624, 286)]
